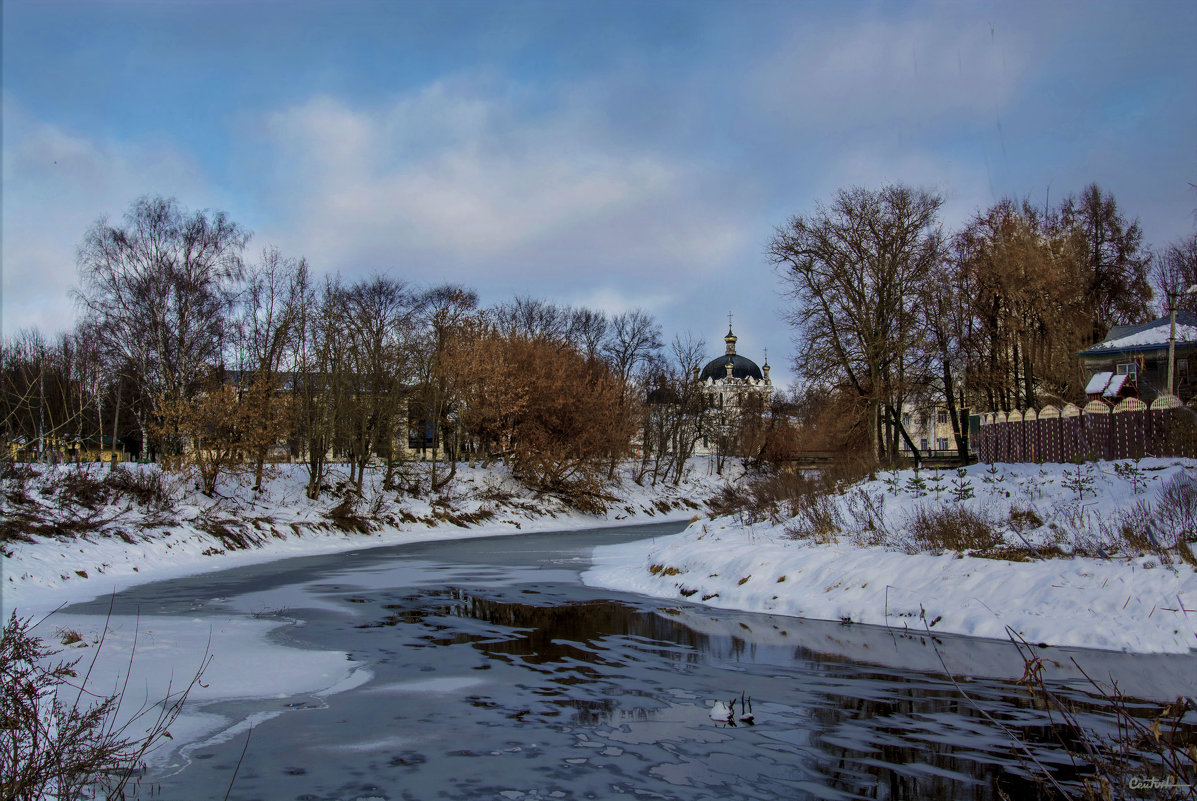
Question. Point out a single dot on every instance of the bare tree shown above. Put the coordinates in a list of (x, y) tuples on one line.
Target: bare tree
[(268, 327), (158, 289), (675, 412), (852, 270), (1174, 271), (377, 324), (442, 310), (533, 318), (318, 365), (1023, 282), (634, 337), (588, 331)]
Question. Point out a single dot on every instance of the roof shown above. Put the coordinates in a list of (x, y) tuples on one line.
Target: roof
[(1106, 384), (741, 368), (1146, 336)]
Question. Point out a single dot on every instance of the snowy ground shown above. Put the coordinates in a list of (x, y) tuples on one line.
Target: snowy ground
[(282, 522), (1133, 602), (1129, 600)]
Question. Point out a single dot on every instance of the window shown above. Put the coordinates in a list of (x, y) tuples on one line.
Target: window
[(941, 444), (1128, 368), (942, 417), (1182, 366), (906, 419), (923, 444)]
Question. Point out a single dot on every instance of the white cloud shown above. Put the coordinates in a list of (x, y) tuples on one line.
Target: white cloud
[(614, 301), (56, 184), (472, 183)]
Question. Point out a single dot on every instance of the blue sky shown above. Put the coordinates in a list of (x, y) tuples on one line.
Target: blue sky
[(610, 154)]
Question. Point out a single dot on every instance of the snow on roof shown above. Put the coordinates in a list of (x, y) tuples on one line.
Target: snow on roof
[(1116, 384), (1148, 335), (1098, 383)]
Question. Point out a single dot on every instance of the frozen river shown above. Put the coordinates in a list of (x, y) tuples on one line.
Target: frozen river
[(485, 669)]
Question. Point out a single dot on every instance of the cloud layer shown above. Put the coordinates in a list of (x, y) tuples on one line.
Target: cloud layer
[(617, 155)]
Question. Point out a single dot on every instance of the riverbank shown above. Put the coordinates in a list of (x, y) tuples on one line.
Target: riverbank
[(1079, 571), (72, 537)]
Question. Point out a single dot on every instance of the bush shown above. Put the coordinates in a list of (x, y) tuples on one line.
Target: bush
[(816, 518), (1176, 516), (955, 528), (52, 746)]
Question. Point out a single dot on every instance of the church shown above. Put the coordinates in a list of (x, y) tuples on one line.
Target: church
[(726, 383), (726, 380)]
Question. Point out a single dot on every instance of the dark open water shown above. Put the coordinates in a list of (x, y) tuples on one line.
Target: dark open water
[(498, 675)]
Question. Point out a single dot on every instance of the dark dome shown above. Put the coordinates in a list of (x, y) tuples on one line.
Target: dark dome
[(741, 368)]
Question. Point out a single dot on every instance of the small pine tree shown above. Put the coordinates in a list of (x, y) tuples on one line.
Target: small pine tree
[(962, 486), (1080, 479), (916, 485)]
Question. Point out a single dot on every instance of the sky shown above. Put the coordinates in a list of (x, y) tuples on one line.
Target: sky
[(616, 155)]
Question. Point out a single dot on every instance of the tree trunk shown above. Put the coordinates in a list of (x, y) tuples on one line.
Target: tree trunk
[(116, 427)]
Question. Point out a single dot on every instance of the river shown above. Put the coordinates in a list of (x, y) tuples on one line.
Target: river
[(489, 671)]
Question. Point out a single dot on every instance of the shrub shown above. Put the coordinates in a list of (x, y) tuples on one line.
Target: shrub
[(955, 528), (1025, 519), (1176, 515), (869, 523), (816, 518), (51, 745), (1152, 755)]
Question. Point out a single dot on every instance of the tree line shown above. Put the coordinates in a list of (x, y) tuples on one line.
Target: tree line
[(890, 309), (198, 357)]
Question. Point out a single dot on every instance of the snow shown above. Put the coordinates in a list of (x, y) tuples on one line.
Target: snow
[(1185, 334), (1116, 384), (1098, 383), (1129, 602), (160, 655), (44, 575)]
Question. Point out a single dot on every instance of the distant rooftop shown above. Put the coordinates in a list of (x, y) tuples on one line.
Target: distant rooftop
[(1146, 336)]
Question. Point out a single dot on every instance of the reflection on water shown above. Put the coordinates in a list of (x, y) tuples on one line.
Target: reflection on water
[(840, 729), (497, 675)]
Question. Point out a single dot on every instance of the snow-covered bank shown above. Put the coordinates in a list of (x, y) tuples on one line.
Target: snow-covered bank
[(281, 522), (1131, 602), (149, 657)]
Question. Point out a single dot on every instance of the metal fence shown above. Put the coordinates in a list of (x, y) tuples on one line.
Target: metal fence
[(1130, 430)]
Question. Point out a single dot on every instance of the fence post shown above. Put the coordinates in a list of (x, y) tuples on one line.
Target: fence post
[(1096, 427), (1017, 436), (1049, 433), (1002, 451), (1031, 433), (1130, 429), (1163, 416), (1070, 433)]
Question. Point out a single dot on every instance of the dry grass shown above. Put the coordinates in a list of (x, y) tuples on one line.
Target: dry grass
[(233, 534), (59, 738), (1152, 755), (1176, 516), (71, 502), (817, 518), (952, 528), (776, 495), (347, 517)]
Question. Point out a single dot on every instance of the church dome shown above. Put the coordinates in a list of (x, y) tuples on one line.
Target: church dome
[(741, 368)]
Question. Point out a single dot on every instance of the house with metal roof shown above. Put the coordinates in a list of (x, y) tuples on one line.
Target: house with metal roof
[(1140, 352)]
